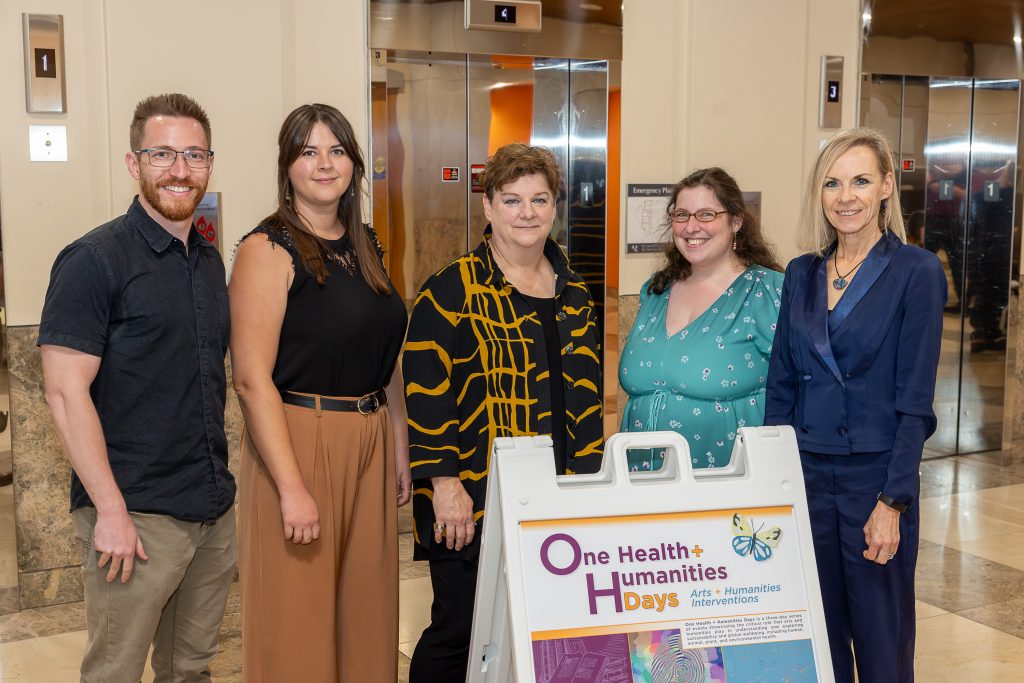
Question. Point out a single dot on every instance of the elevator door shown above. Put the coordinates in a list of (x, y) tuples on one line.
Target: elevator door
[(957, 147), (436, 118)]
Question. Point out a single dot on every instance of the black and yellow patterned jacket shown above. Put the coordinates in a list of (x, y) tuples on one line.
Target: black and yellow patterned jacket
[(475, 368)]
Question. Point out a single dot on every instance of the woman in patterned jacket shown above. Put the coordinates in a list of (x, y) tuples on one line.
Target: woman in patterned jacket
[(487, 334)]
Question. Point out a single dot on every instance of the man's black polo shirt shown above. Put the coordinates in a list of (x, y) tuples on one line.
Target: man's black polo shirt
[(158, 319)]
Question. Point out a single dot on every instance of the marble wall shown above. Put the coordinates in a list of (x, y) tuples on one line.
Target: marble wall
[(1013, 434), (48, 558), (629, 304)]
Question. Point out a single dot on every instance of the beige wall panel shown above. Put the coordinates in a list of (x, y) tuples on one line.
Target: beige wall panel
[(731, 84), (656, 109), (227, 56), (46, 204), (325, 58)]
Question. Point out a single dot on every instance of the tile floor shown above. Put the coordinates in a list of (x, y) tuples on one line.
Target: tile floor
[(970, 588)]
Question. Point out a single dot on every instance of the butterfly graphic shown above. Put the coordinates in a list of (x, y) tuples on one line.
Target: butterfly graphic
[(749, 542)]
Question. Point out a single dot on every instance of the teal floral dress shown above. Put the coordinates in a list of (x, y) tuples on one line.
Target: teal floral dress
[(706, 380)]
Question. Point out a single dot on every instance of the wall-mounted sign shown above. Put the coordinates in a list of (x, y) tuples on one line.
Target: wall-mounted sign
[(647, 217), (43, 36), (449, 174), (909, 165), (207, 218)]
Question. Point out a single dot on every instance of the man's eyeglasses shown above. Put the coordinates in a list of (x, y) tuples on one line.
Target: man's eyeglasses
[(163, 157), (703, 215)]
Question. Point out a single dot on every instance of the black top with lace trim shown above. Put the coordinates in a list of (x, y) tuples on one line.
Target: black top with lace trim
[(340, 338)]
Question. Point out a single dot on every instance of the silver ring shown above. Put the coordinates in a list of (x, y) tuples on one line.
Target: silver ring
[(892, 555)]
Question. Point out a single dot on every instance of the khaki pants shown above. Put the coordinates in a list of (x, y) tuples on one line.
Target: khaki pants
[(174, 601)]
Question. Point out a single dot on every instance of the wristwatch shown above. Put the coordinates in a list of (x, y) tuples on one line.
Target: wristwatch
[(892, 502)]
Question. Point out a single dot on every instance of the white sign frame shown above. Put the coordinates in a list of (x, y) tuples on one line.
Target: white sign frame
[(764, 472)]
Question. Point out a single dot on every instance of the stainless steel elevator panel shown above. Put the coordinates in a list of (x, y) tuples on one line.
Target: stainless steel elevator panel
[(911, 165), (957, 140), (987, 259), (947, 158), (445, 98), (587, 166), (552, 112), (420, 134), (434, 111), (881, 105)]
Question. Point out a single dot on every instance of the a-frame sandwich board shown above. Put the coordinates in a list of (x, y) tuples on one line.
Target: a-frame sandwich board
[(704, 573)]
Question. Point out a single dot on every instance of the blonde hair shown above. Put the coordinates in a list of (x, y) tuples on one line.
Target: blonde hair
[(816, 233)]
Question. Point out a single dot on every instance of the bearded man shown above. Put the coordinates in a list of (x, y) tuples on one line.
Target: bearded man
[(133, 336)]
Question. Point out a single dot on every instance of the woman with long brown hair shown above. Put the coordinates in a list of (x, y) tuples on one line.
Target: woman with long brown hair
[(316, 332), (696, 360)]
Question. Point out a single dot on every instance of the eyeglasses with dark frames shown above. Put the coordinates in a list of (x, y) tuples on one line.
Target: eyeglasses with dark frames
[(163, 157), (702, 215)]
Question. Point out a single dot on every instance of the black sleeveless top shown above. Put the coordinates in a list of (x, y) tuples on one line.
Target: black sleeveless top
[(340, 338)]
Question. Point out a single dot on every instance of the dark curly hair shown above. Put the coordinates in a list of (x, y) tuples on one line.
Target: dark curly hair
[(751, 246)]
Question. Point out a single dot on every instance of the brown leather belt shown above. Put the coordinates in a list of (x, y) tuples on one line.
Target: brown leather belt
[(364, 405)]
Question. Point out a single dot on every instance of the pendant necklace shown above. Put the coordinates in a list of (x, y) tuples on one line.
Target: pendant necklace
[(840, 282)]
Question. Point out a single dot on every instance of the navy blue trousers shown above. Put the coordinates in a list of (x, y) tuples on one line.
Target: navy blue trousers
[(865, 603)]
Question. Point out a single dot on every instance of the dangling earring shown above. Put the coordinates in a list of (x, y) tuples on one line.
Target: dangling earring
[(734, 242)]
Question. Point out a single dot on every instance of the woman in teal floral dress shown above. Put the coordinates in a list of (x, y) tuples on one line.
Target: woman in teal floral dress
[(696, 360)]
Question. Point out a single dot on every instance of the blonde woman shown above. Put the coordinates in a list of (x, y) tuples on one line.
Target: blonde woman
[(853, 371)]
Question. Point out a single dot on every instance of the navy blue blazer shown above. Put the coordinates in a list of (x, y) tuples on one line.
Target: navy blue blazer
[(861, 378)]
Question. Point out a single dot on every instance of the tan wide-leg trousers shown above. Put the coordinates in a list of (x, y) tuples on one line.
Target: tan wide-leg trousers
[(327, 611)]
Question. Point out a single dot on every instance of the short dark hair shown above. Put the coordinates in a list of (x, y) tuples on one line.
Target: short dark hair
[(513, 161), (167, 104)]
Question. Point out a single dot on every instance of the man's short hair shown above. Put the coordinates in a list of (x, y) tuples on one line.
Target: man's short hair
[(168, 104)]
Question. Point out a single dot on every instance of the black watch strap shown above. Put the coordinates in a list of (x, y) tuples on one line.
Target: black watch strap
[(891, 502)]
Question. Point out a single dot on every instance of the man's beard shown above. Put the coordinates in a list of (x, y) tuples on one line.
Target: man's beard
[(168, 207)]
